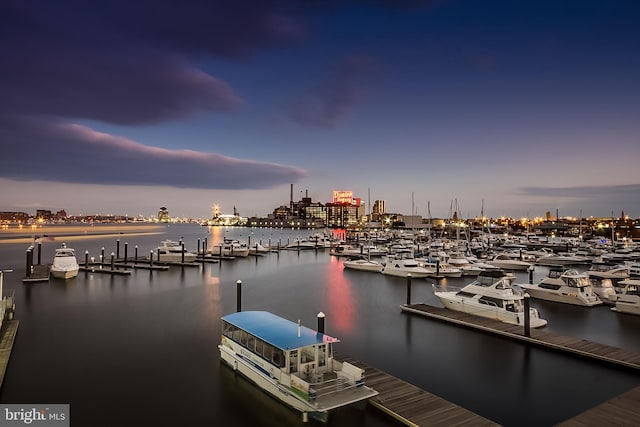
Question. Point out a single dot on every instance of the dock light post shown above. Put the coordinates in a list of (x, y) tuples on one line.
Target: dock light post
[(112, 260), (239, 296), (102, 255), (29, 266), (86, 259), (527, 320), (135, 254), (321, 317), (408, 288), (151, 258)]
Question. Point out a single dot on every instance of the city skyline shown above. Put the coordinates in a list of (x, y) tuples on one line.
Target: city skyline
[(520, 108)]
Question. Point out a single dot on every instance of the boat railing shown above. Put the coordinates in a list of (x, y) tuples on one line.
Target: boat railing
[(335, 384)]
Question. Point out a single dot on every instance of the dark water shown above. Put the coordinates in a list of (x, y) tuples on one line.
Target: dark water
[(142, 350)]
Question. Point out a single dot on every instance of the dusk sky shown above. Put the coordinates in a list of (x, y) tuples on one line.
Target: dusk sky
[(121, 107)]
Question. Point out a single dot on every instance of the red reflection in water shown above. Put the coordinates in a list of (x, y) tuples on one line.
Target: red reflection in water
[(340, 297)]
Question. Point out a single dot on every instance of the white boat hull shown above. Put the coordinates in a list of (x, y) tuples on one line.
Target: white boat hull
[(453, 302), (627, 307), (559, 296), (64, 274), (363, 266)]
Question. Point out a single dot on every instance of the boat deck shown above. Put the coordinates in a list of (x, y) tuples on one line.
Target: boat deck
[(411, 405), (543, 338)]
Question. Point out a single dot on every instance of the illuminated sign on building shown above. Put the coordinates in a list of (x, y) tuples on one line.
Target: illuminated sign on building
[(340, 196)]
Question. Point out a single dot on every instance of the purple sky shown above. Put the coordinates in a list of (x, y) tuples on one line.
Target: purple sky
[(121, 107)]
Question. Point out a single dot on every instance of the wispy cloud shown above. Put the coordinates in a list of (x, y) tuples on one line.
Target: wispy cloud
[(77, 154)]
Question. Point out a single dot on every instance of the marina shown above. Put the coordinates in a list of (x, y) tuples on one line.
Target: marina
[(422, 367)]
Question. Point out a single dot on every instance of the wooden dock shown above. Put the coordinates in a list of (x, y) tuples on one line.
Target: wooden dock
[(411, 405), (104, 269), (540, 337), (620, 411), (7, 338), (39, 273)]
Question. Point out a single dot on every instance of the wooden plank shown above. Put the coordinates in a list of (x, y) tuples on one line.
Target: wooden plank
[(7, 338), (411, 405), (622, 410)]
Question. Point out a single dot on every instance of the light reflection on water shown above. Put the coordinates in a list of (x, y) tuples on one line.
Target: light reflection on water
[(142, 350)]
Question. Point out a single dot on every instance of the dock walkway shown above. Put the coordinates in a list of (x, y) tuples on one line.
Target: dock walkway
[(411, 405), (7, 338), (542, 338)]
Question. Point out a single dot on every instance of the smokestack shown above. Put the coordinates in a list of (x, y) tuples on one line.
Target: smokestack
[(291, 198)]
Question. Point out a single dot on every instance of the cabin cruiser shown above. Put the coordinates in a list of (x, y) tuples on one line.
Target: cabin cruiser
[(567, 286), (363, 265), (628, 300), (230, 248), (491, 295), (562, 259), (507, 262), (65, 265), (172, 251), (292, 363), (402, 267), (604, 277)]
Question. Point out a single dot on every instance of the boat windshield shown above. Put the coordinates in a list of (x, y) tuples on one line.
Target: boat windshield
[(578, 282)]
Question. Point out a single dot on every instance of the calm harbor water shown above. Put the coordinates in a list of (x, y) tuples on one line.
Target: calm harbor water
[(142, 349)]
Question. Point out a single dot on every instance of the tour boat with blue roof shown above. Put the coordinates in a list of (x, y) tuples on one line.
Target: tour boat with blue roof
[(293, 363)]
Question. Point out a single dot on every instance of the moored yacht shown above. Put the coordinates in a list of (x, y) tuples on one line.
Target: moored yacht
[(628, 300), (292, 363), (567, 286), (65, 265), (507, 262), (402, 267), (363, 265), (491, 296), (172, 251)]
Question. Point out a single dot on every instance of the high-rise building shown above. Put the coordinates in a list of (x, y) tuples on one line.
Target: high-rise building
[(163, 215)]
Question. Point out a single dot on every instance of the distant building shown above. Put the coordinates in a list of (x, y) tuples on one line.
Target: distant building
[(16, 217), (43, 214), (163, 215)]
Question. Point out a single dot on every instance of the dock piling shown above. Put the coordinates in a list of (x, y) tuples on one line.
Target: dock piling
[(239, 296), (126, 245), (29, 267), (135, 254), (408, 288), (86, 259), (151, 258), (527, 320), (530, 269), (118, 248), (112, 260), (39, 253), (321, 317)]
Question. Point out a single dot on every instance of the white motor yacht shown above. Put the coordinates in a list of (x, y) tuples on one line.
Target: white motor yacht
[(506, 262), (363, 265), (567, 286), (172, 251), (65, 265), (402, 267), (230, 248), (491, 296), (628, 300)]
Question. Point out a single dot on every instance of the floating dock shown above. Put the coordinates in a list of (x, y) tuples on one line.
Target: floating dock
[(7, 338), (411, 405), (542, 338), (38, 273)]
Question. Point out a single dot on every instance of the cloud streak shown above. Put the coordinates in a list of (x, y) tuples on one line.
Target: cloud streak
[(77, 154)]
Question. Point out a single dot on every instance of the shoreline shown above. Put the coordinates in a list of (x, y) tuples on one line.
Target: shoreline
[(76, 232)]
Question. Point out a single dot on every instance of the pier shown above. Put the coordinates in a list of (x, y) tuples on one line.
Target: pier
[(542, 338), (411, 405), (7, 338), (619, 411)]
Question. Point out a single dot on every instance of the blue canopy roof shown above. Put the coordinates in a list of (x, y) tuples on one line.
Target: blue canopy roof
[(275, 330)]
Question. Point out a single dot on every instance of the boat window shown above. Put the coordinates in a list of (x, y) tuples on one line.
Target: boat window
[(322, 355), (551, 286), (259, 347), (228, 329), (278, 357), (293, 361), (251, 342), (632, 290), (510, 307), (268, 351), (243, 337), (465, 294), (494, 302)]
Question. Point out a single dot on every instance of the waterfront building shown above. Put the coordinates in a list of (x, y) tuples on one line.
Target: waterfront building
[(163, 214)]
